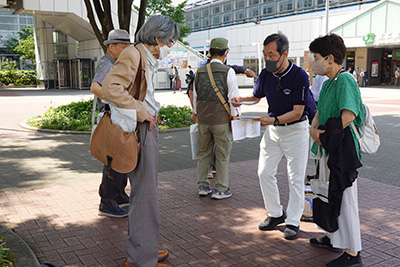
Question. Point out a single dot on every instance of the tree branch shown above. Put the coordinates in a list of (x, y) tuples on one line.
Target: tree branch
[(142, 15), (124, 14), (107, 16), (92, 21)]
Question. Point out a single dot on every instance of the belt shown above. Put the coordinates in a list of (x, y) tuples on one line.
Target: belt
[(293, 122)]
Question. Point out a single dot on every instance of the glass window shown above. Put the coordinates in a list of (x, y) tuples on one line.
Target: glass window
[(189, 15), (9, 27), (196, 14), (216, 20), (196, 23), (9, 19), (216, 9), (204, 12), (29, 20), (254, 2), (285, 6), (228, 6), (240, 4), (227, 17), (239, 14), (253, 12), (59, 37), (205, 22), (269, 9), (60, 50)]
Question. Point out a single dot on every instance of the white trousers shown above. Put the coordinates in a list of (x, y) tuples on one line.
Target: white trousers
[(348, 235), (291, 141)]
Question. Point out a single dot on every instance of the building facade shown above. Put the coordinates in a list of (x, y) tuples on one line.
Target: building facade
[(246, 23)]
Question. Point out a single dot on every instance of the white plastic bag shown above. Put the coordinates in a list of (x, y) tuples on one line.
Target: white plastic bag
[(194, 133)]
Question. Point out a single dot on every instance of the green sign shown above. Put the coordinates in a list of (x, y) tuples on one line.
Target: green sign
[(369, 39), (397, 54)]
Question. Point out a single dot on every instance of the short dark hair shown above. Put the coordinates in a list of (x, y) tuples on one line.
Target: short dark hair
[(190, 66), (281, 41), (329, 44), (217, 52)]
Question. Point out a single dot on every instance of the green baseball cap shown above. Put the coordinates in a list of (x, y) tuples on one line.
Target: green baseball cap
[(219, 43)]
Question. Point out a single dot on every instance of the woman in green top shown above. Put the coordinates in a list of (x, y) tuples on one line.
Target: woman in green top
[(339, 97)]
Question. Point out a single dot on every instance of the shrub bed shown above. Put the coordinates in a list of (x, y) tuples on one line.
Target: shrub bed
[(6, 257), (77, 116)]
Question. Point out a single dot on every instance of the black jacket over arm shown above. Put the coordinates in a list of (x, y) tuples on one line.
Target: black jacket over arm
[(343, 160)]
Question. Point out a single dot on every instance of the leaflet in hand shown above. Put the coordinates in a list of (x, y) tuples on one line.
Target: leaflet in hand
[(245, 128)]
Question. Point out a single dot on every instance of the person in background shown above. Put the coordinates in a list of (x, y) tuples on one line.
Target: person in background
[(397, 76), (111, 191), (339, 105), (214, 119), (189, 77), (175, 80), (364, 78), (286, 87), (131, 76), (315, 89)]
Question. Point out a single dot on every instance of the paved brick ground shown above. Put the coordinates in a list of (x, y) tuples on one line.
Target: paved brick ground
[(61, 224)]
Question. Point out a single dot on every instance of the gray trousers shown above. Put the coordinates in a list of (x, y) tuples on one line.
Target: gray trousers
[(144, 216), (219, 135)]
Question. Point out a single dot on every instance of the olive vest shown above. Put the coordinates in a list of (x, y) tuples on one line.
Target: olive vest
[(209, 109)]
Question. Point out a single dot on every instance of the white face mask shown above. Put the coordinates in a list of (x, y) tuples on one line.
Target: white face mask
[(317, 65), (164, 52)]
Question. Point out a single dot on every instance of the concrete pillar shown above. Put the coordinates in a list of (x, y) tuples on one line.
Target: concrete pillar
[(361, 61), (45, 67)]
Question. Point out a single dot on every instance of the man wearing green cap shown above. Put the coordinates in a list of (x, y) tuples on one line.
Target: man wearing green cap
[(214, 118)]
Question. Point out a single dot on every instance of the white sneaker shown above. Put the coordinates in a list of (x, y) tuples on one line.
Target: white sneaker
[(204, 190)]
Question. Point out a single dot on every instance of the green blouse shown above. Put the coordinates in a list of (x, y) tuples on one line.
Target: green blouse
[(336, 95)]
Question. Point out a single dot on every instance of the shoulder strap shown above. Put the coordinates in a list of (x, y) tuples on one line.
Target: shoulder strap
[(216, 90), (355, 130)]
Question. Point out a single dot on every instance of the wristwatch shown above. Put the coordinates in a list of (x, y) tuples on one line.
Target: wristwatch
[(276, 122)]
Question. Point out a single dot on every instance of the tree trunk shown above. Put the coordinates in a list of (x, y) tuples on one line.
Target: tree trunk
[(92, 21), (142, 15), (124, 14)]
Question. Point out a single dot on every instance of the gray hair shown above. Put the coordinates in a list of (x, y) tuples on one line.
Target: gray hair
[(281, 41), (162, 27)]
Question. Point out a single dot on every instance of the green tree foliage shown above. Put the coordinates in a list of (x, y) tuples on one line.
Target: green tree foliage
[(11, 75), (165, 7), (24, 34), (26, 48)]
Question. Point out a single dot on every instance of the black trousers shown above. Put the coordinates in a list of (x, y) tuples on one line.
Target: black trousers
[(112, 191)]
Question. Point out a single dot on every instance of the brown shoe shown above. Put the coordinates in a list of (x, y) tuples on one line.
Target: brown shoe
[(158, 265), (162, 255)]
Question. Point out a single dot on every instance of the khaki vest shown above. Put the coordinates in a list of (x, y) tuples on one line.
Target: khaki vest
[(209, 109)]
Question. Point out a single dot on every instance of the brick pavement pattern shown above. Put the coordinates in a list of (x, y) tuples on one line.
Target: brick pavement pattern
[(60, 223)]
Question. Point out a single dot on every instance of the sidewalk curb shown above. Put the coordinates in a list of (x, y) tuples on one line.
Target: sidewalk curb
[(24, 254), (23, 124)]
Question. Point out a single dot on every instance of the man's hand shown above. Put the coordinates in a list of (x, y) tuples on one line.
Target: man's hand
[(266, 120), (249, 73), (315, 135), (235, 101), (151, 120)]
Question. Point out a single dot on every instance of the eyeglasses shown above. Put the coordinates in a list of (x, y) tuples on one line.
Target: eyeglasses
[(172, 42)]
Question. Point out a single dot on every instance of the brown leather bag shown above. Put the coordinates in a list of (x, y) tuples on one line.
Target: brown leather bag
[(114, 147)]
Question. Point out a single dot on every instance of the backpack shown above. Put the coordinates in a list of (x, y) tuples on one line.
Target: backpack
[(367, 134)]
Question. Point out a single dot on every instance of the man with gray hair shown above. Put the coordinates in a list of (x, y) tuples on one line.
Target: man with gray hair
[(112, 191), (130, 85), (286, 89)]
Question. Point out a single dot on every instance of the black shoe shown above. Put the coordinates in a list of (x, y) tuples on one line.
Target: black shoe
[(116, 213), (270, 222), (346, 260), (291, 232), (312, 177), (324, 242)]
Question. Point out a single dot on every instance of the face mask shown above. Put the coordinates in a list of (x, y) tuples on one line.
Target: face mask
[(164, 52), (318, 68), (270, 65)]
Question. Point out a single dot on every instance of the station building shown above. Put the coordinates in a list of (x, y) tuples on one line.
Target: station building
[(370, 30)]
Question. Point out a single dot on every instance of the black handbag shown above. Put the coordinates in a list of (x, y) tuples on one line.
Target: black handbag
[(324, 216)]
